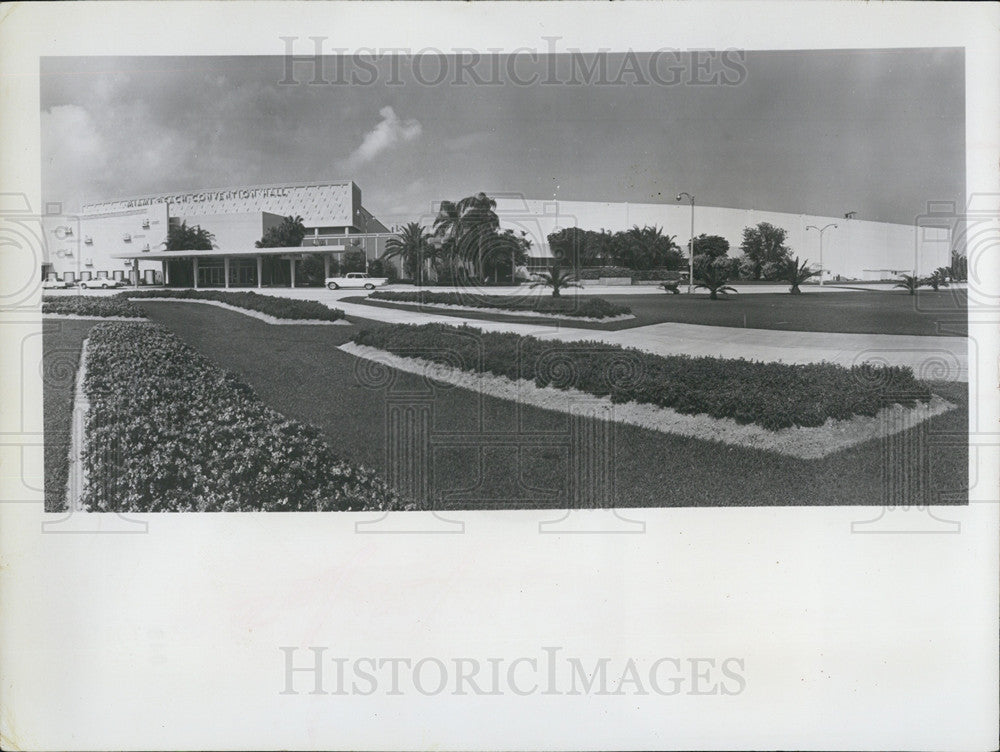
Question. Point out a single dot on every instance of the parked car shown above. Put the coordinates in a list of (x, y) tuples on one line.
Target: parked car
[(355, 279), (101, 282), (56, 284)]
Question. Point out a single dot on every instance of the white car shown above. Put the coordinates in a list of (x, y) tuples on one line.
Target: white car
[(101, 282), (355, 280), (56, 284)]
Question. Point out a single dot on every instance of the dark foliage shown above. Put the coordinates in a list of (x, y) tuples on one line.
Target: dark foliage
[(772, 395), (280, 308), (87, 305), (585, 307), (168, 431)]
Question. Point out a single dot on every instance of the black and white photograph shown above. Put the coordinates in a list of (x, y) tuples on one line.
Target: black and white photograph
[(669, 331), (559, 280)]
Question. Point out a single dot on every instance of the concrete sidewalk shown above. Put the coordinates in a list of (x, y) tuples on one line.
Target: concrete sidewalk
[(944, 358)]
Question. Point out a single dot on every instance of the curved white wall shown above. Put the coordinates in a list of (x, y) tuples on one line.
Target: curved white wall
[(855, 249)]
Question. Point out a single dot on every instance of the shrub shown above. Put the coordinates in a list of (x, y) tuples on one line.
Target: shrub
[(168, 431), (584, 307), (772, 395), (86, 305), (279, 308), (636, 275)]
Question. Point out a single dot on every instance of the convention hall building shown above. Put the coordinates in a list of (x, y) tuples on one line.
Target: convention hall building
[(126, 239)]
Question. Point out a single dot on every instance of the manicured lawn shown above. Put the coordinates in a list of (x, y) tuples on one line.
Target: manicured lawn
[(501, 455), (61, 343), (861, 312)]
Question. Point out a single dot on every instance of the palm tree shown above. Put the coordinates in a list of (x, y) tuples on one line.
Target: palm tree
[(910, 282), (938, 278), (448, 229), (411, 245), (557, 279), (796, 274), (180, 237), (714, 277), (648, 246), (479, 222)]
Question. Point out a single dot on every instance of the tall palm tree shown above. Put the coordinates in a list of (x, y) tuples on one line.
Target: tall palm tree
[(448, 228), (479, 222), (411, 245)]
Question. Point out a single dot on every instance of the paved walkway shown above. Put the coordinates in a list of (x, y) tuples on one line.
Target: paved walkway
[(944, 358), (930, 357)]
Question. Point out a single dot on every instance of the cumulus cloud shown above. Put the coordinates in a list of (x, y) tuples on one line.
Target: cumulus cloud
[(389, 132)]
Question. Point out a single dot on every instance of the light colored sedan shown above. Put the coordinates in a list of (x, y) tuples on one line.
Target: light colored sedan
[(56, 284), (102, 283), (355, 280)]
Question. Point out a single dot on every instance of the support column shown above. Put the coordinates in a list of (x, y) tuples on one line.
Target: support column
[(166, 272), (291, 263), (326, 265), (260, 271), (225, 269), (195, 261)]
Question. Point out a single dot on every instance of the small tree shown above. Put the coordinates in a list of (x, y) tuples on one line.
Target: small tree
[(938, 278), (711, 245), (910, 282), (713, 275), (762, 244), (557, 279), (796, 274)]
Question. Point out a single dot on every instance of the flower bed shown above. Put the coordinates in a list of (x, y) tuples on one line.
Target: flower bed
[(771, 395), (596, 308), (91, 305), (168, 431), (279, 308)]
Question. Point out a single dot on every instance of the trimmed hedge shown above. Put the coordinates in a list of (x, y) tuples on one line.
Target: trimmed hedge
[(91, 305), (597, 308), (772, 395), (636, 275), (169, 431), (280, 308)]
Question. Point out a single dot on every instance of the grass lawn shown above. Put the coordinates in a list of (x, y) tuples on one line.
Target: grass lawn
[(518, 457), (861, 312), (61, 343)]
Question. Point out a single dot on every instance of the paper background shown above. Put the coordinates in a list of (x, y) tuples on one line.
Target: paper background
[(170, 639)]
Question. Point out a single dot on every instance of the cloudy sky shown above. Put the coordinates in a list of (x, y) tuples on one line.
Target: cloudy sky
[(878, 132)]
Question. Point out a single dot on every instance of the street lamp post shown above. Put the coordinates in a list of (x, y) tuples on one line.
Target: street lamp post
[(691, 244), (821, 230)]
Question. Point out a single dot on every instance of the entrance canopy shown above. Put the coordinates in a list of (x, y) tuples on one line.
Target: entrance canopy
[(296, 251)]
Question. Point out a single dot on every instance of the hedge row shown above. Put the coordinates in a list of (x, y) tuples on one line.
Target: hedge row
[(90, 305), (772, 395), (597, 308), (168, 431), (636, 275), (280, 308)]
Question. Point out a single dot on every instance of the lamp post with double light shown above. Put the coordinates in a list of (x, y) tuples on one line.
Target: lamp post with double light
[(821, 230), (690, 198)]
